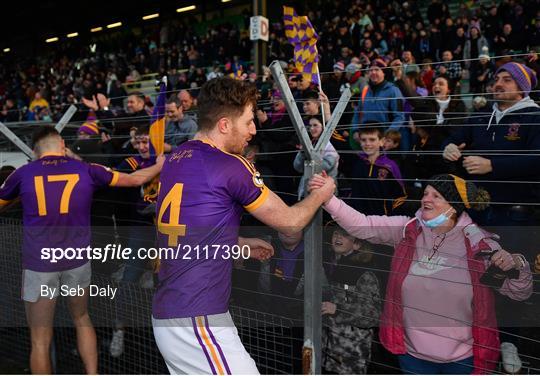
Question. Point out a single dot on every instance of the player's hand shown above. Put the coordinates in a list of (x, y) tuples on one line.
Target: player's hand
[(452, 152), (316, 182), (477, 165), (504, 260), (91, 103), (328, 308), (327, 189), (258, 248)]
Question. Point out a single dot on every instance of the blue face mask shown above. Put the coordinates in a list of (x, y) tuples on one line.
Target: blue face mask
[(439, 220)]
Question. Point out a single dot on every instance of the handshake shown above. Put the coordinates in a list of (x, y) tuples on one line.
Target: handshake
[(323, 185)]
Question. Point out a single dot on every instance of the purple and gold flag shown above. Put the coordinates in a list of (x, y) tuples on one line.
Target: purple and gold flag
[(301, 34), (157, 139), (157, 127)]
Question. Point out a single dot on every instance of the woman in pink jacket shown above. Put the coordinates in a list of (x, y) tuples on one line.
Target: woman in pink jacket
[(439, 316)]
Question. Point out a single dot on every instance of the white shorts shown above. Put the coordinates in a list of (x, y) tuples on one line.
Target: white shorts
[(202, 345), (33, 282)]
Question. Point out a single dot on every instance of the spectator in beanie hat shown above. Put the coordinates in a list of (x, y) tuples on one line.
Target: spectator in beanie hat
[(339, 66), (512, 127), (459, 193), (380, 102), (524, 77), (430, 295), (332, 84), (89, 128)]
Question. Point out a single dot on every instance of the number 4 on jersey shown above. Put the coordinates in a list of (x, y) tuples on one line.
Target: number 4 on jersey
[(173, 228)]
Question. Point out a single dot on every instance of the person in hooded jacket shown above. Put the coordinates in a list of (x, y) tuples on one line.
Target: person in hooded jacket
[(353, 311), (380, 102), (510, 128), (500, 151)]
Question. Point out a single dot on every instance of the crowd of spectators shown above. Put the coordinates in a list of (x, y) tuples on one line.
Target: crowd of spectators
[(407, 73), (351, 32)]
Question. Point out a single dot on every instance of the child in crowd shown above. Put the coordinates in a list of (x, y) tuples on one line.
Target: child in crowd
[(354, 308), (135, 225), (377, 187), (329, 155), (391, 140), (281, 292)]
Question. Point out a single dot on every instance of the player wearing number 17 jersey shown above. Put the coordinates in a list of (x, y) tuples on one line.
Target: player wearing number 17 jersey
[(205, 185), (56, 195)]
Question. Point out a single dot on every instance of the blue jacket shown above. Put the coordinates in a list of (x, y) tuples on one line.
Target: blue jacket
[(374, 109), (510, 131)]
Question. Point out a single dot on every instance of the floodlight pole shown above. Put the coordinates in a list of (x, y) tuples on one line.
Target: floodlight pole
[(311, 354), (259, 9)]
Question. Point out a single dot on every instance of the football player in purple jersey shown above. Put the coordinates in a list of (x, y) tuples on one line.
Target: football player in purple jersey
[(56, 195), (205, 186)]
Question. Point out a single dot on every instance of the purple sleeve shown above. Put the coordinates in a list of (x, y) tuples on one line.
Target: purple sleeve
[(10, 189), (102, 176), (246, 185)]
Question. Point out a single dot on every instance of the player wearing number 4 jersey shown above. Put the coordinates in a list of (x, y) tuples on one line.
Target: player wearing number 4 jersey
[(56, 195), (205, 187)]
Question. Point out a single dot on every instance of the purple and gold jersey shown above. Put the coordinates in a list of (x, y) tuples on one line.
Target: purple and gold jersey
[(203, 193), (56, 195)]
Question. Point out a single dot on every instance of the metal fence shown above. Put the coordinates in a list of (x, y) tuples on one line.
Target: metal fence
[(270, 339)]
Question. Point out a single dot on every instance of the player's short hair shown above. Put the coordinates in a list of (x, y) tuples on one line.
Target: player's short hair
[(43, 133), (373, 129), (224, 96)]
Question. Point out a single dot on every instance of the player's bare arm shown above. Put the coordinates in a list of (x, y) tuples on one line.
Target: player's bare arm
[(140, 177), (291, 219)]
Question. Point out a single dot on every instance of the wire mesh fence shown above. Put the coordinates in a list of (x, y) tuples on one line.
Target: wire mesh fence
[(273, 341)]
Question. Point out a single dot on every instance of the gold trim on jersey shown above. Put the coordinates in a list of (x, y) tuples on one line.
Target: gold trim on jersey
[(114, 180), (52, 154), (4, 202), (259, 200), (242, 159)]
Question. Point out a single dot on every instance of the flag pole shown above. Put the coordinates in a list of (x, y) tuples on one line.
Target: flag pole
[(320, 91)]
